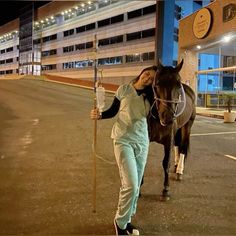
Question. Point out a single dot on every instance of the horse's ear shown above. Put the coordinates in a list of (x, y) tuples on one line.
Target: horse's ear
[(179, 66), (159, 64)]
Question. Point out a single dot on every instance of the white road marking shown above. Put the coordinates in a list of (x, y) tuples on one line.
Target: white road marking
[(207, 134), (231, 157)]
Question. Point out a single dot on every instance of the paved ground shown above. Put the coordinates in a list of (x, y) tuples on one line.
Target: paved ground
[(46, 170)]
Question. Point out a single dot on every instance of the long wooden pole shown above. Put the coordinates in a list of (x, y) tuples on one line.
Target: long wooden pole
[(95, 131)]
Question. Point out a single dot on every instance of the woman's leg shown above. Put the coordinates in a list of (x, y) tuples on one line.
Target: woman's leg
[(126, 161), (141, 153)]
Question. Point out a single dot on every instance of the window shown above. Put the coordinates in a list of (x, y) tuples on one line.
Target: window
[(90, 26), (176, 34), (178, 12), (134, 14), (9, 72), (10, 60), (133, 58), (80, 46), (2, 62), (49, 53), (110, 60), (103, 3), (49, 67), (117, 19), (148, 56), (80, 29), (149, 9), (81, 64), (117, 39), (89, 45), (103, 42), (37, 41), (133, 36), (105, 22), (148, 33), (68, 49), (198, 2), (3, 51), (68, 32), (49, 38), (9, 49), (85, 28)]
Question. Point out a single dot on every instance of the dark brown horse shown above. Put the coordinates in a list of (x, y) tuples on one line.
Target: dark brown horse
[(171, 117)]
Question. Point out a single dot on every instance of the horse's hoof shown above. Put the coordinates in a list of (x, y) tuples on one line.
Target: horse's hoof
[(164, 198), (179, 177)]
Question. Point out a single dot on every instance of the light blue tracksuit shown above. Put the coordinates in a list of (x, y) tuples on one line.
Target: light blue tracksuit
[(131, 142)]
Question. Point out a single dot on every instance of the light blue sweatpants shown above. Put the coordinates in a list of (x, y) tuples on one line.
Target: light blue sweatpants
[(131, 160)]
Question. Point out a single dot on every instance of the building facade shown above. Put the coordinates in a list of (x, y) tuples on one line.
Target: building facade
[(65, 38), (209, 52)]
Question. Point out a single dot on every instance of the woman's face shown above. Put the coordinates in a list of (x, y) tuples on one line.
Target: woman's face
[(147, 77)]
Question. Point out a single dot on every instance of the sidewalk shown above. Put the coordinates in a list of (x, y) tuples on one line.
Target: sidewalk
[(208, 112)]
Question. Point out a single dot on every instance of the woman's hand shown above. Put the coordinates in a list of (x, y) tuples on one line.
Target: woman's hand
[(95, 114)]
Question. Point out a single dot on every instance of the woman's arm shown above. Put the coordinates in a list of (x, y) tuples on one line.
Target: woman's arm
[(112, 110)]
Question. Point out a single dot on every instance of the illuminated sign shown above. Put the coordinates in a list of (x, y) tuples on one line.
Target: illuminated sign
[(202, 23)]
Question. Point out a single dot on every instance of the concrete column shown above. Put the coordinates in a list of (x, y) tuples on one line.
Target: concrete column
[(189, 68)]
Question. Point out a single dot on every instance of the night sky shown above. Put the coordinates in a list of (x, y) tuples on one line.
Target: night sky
[(9, 10)]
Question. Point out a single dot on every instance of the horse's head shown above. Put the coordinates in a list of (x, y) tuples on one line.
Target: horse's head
[(169, 94)]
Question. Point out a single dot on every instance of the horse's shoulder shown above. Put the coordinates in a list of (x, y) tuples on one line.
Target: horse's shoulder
[(189, 91)]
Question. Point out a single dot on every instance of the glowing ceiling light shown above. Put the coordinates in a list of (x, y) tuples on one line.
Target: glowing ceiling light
[(199, 47), (42, 21), (89, 2), (82, 4), (76, 8), (52, 17), (226, 38), (62, 13)]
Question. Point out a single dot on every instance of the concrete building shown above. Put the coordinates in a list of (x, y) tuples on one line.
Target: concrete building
[(59, 38), (64, 34)]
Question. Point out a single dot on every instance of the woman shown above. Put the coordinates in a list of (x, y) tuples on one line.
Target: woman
[(131, 143)]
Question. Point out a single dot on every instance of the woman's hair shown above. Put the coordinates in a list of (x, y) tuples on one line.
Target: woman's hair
[(148, 89), (147, 68)]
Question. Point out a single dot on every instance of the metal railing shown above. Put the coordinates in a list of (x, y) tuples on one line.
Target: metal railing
[(213, 86)]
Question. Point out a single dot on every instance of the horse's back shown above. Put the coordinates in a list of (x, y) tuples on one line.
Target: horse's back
[(189, 112)]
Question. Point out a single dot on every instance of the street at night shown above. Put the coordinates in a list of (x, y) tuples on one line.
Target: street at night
[(46, 170)]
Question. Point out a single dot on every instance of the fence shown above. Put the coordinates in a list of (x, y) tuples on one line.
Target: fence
[(212, 85)]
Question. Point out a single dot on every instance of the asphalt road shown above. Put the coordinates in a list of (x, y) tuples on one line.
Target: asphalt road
[(46, 178)]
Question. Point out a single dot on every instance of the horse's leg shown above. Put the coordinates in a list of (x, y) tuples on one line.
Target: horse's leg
[(177, 156), (183, 148), (180, 167), (176, 148), (166, 165)]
